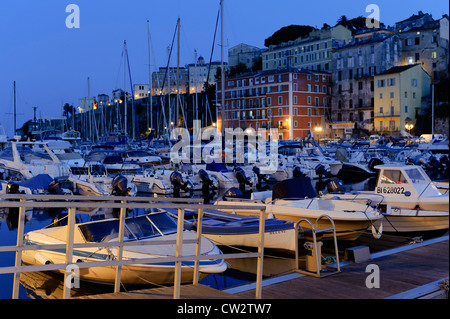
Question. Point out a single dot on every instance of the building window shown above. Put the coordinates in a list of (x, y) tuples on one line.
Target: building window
[(269, 101), (295, 99), (417, 40), (295, 111), (309, 112), (406, 109), (417, 56), (309, 100), (280, 100), (392, 95), (280, 111), (295, 123)]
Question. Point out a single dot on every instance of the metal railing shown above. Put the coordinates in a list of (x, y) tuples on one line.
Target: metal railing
[(72, 203)]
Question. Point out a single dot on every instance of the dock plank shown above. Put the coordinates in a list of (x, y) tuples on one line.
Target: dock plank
[(398, 273), (186, 292)]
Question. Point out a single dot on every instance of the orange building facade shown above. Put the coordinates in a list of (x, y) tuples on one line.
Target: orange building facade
[(296, 102)]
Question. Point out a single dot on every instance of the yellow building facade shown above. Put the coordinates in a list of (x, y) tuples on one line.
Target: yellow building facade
[(399, 94)]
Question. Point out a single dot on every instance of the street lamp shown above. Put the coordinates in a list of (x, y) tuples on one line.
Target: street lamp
[(409, 127)]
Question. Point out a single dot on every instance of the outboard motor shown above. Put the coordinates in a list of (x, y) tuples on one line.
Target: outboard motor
[(120, 186), (261, 177), (334, 186), (206, 184), (179, 184), (297, 172), (242, 178), (321, 171), (374, 162), (54, 188), (13, 188)]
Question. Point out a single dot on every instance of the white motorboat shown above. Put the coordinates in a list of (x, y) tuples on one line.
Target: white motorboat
[(294, 199), (140, 157), (97, 181), (410, 201), (112, 160), (150, 228), (24, 160)]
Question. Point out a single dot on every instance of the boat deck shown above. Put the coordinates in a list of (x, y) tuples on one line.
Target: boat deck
[(403, 272)]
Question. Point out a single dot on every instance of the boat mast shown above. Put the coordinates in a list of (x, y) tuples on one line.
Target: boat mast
[(15, 113), (178, 75), (150, 99), (125, 83), (222, 69)]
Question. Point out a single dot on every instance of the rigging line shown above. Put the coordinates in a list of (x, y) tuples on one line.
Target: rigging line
[(119, 70), (164, 81), (132, 98), (212, 48)]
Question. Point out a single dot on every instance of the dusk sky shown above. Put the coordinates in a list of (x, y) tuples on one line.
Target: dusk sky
[(51, 63)]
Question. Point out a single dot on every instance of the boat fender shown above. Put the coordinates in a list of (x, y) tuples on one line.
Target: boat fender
[(377, 233), (41, 259)]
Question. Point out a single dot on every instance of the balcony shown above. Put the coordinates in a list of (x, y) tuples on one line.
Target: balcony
[(387, 114)]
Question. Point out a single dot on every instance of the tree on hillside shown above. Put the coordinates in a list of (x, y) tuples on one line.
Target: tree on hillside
[(355, 25), (288, 33)]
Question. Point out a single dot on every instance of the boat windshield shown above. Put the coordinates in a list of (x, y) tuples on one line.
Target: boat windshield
[(416, 175), (393, 176), (140, 227)]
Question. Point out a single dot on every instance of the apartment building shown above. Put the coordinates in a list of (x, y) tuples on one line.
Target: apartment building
[(425, 41), (198, 74), (168, 77), (243, 53), (370, 53), (399, 95), (313, 52), (295, 101)]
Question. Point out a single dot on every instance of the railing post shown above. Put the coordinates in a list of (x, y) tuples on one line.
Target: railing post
[(18, 262), (69, 251), (120, 247), (178, 253), (198, 245), (259, 271)]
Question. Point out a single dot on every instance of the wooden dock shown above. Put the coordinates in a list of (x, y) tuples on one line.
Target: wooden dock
[(399, 272), (408, 269)]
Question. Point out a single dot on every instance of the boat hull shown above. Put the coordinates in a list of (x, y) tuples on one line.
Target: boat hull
[(348, 226), (137, 274), (415, 222)]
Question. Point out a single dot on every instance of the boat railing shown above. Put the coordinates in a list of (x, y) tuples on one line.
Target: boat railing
[(24, 202), (316, 230)]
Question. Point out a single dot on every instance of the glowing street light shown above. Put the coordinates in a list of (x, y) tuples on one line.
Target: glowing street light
[(409, 127), (318, 129)]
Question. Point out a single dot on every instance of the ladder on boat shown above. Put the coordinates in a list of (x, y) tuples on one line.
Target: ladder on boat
[(314, 248)]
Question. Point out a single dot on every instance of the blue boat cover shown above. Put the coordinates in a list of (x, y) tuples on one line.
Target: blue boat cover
[(216, 167), (40, 181), (295, 188)]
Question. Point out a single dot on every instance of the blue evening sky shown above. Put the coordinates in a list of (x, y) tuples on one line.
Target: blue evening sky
[(51, 63)]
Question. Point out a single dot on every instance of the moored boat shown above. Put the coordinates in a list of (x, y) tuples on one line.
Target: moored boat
[(150, 228), (295, 199)]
